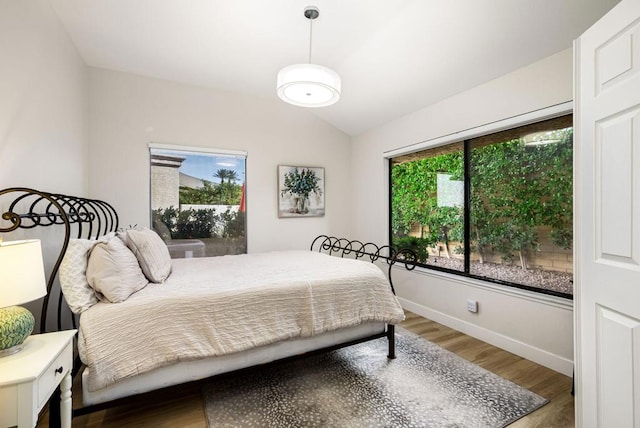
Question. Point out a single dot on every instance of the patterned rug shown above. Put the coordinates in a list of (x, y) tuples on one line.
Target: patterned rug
[(425, 386)]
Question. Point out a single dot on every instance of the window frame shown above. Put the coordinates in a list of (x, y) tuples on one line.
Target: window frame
[(465, 137), (195, 150)]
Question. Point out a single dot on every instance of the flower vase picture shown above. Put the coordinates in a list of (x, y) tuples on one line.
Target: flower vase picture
[(300, 191)]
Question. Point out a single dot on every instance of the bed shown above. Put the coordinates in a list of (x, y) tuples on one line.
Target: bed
[(158, 325)]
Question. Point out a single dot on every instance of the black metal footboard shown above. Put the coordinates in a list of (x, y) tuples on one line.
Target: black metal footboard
[(353, 248)]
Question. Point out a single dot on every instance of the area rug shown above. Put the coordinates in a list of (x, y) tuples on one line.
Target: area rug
[(425, 386)]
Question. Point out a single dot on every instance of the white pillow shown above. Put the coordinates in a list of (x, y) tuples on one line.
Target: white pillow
[(113, 271), (72, 274), (151, 251)]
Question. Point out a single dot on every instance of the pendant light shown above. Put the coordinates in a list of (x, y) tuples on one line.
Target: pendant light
[(309, 85)]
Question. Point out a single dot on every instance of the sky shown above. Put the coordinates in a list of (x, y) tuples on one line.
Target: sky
[(204, 165)]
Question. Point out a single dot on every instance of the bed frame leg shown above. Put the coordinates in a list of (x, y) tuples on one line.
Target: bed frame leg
[(391, 336)]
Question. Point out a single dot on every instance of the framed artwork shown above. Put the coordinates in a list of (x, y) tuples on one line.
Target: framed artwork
[(300, 191)]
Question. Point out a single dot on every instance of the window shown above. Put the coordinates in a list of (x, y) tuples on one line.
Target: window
[(496, 207), (198, 203)]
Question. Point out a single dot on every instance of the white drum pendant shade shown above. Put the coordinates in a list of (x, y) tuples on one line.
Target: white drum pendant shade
[(308, 85)]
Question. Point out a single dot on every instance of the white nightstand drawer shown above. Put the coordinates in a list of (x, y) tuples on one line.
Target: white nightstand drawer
[(52, 375)]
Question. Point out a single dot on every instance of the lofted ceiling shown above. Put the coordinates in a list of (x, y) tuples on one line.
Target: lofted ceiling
[(394, 56)]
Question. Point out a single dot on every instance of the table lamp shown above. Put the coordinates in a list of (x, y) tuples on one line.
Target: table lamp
[(21, 280)]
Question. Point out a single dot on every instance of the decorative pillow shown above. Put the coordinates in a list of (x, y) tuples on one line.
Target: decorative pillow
[(151, 251), (113, 271), (72, 273)]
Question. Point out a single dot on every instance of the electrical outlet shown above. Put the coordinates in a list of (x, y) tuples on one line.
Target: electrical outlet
[(472, 306)]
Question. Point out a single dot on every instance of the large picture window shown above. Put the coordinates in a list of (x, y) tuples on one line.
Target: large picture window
[(497, 207), (198, 203)]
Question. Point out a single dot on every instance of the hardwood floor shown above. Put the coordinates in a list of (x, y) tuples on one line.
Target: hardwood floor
[(181, 406), (558, 413)]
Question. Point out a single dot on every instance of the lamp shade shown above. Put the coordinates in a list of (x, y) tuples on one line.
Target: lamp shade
[(22, 276), (308, 85)]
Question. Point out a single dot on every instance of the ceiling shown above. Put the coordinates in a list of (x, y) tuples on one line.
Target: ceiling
[(394, 56)]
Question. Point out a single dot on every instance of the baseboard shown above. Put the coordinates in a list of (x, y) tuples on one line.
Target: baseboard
[(524, 350)]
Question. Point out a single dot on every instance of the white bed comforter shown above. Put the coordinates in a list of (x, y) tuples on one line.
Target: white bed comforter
[(220, 305)]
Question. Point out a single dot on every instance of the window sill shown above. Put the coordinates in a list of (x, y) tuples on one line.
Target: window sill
[(558, 302)]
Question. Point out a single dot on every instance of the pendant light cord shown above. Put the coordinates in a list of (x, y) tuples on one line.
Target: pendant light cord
[(310, 37)]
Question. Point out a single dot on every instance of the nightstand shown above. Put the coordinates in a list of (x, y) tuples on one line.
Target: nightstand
[(29, 378)]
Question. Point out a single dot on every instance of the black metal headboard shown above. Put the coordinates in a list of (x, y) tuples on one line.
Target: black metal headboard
[(81, 218)]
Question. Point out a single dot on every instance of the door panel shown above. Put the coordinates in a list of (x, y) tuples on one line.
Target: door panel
[(614, 141), (607, 220), (619, 350), (617, 59)]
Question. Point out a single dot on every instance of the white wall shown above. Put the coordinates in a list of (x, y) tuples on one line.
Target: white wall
[(43, 101), (43, 113), (129, 111), (541, 331)]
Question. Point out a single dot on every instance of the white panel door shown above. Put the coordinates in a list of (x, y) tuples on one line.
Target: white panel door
[(607, 220)]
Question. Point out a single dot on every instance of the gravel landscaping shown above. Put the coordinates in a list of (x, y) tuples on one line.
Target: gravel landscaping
[(561, 282)]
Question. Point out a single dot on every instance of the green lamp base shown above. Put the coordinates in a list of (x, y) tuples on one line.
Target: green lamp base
[(16, 324)]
